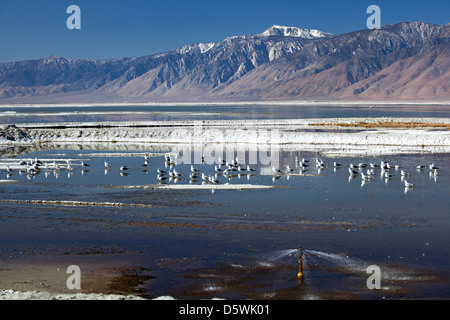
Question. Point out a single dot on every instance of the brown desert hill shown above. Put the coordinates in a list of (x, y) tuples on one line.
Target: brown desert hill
[(423, 76), (365, 65)]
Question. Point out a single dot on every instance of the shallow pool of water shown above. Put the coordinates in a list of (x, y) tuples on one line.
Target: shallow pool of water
[(238, 244)]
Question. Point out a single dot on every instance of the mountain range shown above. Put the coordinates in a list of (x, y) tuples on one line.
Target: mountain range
[(404, 61)]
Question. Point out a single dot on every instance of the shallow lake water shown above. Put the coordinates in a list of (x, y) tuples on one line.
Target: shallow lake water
[(43, 114), (238, 244)]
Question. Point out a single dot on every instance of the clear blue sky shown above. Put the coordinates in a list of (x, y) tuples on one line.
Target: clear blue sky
[(31, 29)]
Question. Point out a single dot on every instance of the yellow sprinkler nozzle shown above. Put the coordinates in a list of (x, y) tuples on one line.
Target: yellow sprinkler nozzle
[(300, 264)]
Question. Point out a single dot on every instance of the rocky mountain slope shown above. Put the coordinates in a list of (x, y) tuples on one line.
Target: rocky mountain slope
[(408, 60)]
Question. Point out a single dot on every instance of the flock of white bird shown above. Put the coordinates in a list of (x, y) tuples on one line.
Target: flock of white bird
[(232, 169), (34, 166), (386, 171), (222, 168), (229, 169), (368, 172)]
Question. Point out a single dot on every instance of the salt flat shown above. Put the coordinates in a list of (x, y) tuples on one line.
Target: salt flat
[(410, 135)]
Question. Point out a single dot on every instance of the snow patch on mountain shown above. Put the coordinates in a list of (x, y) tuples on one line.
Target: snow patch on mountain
[(201, 47), (277, 30)]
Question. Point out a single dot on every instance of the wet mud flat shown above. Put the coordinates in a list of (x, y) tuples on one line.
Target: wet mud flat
[(182, 268)]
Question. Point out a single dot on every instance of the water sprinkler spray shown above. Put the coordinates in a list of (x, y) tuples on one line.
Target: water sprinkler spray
[(300, 263)]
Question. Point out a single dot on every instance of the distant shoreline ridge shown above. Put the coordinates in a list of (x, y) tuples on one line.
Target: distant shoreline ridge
[(230, 103)]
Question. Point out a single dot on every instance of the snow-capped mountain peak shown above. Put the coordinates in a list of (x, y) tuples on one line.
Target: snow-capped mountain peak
[(199, 47), (277, 30)]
